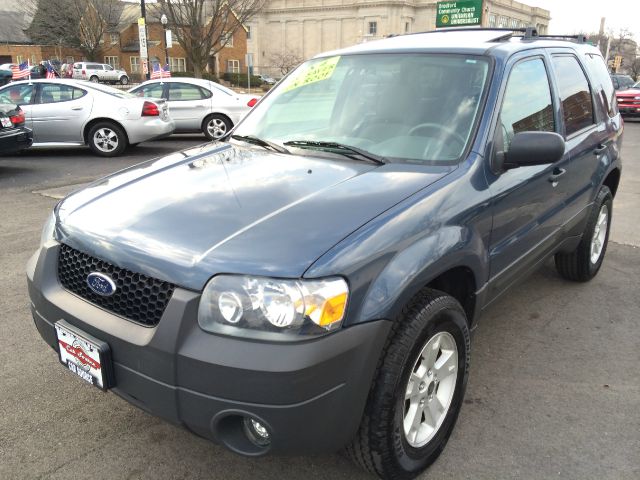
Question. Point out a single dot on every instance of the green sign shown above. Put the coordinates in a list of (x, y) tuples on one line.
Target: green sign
[(459, 14)]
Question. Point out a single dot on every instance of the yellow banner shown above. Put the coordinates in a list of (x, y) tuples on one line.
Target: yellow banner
[(315, 72)]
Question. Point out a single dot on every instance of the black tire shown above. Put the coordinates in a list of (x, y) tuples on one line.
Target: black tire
[(124, 80), (380, 446), (215, 126), (578, 265), (112, 131), (94, 79)]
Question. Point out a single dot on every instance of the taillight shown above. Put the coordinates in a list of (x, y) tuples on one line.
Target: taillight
[(17, 119), (150, 109), (252, 102), (84, 72)]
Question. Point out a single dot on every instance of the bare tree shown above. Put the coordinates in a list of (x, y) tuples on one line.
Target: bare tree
[(204, 27), (285, 62), (634, 68), (80, 24)]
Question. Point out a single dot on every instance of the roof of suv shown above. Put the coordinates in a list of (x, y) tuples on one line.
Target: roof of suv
[(468, 41)]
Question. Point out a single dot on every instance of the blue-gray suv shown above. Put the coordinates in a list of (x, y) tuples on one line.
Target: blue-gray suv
[(310, 283)]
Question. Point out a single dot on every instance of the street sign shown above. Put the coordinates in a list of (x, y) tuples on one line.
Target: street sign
[(142, 36), (169, 39), (459, 13), (248, 60)]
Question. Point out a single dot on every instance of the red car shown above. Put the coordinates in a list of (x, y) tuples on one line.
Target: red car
[(629, 101)]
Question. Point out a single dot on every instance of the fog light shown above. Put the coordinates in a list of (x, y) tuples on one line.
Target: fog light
[(257, 432)]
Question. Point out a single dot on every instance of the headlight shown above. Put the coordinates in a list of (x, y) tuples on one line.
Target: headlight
[(48, 229), (272, 309)]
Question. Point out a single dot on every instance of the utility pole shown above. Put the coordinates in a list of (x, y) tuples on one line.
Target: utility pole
[(142, 35)]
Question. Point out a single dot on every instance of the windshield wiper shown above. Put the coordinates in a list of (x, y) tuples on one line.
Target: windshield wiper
[(346, 150), (261, 142)]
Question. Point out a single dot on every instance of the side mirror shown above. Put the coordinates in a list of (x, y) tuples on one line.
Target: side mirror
[(531, 148)]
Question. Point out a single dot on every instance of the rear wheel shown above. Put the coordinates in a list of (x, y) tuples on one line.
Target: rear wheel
[(584, 262), (107, 139), (94, 79), (216, 126), (418, 390)]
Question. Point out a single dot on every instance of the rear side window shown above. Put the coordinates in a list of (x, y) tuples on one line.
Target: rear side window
[(575, 93), (18, 94), (527, 102), (602, 83), (153, 90), (185, 91)]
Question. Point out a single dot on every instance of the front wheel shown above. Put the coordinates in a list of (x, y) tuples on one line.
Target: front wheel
[(107, 139), (94, 79), (216, 126), (418, 390), (124, 80), (584, 262)]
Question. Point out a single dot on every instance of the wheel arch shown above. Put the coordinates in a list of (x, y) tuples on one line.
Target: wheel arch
[(612, 180), (92, 122)]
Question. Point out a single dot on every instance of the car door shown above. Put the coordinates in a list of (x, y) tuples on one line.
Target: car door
[(188, 104), (59, 113), (22, 94), (527, 206), (109, 73), (585, 132)]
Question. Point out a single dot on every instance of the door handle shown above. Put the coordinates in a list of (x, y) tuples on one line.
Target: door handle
[(77, 108), (599, 149), (556, 174)]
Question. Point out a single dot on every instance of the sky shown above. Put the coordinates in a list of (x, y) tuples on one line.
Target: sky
[(575, 16)]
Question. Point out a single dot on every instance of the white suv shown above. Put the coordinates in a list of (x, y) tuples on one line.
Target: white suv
[(99, 72)]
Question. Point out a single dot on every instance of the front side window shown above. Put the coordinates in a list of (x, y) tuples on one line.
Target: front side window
[(527, 102), (18, 94), (152, 90), (413, 107), (575, 94), (54, 93)]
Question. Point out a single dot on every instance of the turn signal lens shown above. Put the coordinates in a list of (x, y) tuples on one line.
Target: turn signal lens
[(252, 102)]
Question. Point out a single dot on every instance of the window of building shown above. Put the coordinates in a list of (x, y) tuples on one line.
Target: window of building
[(135, 65), (70, 60), (492, 21), (114, 38), (373, 28), (113, 61), (33, 60), (226, 39), (19, 59), (248, 32), (575, 94), (406, 27), (233, 66), (177, 64), (514, 23), (503, 22), (527, 102)]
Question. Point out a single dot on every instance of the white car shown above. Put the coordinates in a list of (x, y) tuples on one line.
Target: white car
[(99, 72), (64, 112), (198, 105)]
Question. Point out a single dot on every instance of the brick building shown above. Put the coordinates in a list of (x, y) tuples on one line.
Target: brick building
[(122, 49)]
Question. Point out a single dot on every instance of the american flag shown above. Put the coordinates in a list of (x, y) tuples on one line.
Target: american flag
[(20, 71), (158, 72), (51, 73)]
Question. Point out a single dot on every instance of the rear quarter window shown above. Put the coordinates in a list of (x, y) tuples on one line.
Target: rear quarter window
[(603, 84)]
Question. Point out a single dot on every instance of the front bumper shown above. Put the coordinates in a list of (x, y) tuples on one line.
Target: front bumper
[(310, 395)]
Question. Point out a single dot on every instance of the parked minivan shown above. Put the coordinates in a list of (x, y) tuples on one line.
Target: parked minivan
[(99, 72), (310, 282)]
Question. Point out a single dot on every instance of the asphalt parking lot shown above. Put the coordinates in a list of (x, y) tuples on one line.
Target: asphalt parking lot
[(554, 390)]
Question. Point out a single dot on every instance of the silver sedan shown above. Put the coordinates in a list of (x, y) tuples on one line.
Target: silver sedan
[(199, 105), (70, 112)]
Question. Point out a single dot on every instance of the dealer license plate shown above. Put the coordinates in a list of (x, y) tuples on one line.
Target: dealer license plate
[(6, 122), (84, 355)]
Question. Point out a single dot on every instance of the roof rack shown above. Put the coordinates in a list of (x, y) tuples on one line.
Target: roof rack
[(529, 33)]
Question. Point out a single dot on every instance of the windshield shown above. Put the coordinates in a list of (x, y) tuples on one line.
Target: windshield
[(109, 90), (419, 107)]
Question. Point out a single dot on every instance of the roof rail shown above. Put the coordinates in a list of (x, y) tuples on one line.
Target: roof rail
[(578, 38), (529, 33)]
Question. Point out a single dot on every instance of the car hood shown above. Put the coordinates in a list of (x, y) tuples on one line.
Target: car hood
[(227, 209)]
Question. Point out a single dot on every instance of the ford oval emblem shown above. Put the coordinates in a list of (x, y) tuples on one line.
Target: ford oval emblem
[(101, 284)]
